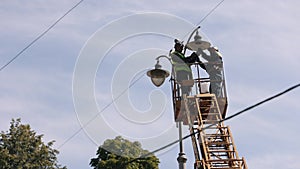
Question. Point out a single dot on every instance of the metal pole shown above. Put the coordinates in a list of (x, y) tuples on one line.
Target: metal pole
[(181, 156)]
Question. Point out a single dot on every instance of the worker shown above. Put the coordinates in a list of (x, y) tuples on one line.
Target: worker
[(181, 65), (214, 68)]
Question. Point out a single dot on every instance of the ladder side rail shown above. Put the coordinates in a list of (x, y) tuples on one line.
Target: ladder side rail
[(194, 140), (201, 124), (244, 165), (204, 149), (201, 165), (217, 107), (231, 155), (198, 115), (234, 147), (232, 151), (195, 145)]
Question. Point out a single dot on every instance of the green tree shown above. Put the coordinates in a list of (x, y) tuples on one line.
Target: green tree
[(120, 153), (21, 147)]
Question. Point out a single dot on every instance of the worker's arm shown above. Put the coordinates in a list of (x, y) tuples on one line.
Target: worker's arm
[(203, 54)]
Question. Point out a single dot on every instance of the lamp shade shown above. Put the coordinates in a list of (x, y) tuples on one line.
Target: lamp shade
[(158, 76), (194, 45), (197, 43)]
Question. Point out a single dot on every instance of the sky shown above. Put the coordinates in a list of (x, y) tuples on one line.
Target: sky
[(84, 81)]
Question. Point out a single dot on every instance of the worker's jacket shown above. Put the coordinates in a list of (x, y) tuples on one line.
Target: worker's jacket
[(214, 66), (179, 62)]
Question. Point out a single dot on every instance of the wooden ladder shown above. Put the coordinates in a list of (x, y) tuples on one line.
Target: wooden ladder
[(209, 136)]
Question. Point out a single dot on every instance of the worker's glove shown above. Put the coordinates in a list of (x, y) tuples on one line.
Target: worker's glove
[(195, 57)]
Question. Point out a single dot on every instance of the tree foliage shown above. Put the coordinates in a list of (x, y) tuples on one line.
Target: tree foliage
[(21, 147), (120, 153)]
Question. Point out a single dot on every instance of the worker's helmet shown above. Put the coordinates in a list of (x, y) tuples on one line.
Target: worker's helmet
[(214, 48), (178, 43)]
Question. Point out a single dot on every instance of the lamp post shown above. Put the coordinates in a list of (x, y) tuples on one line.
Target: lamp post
[(181, 156), (158, 76)]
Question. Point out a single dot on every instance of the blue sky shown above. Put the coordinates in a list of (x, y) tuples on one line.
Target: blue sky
[(258, 39)]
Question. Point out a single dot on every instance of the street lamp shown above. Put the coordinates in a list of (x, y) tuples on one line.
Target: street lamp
[(198, 43), (158, 77), (157, 74)]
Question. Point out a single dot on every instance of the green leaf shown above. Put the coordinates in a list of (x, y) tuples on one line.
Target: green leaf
[(122, 154)]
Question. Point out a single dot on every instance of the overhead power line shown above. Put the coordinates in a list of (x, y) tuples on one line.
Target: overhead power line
[(40, 36), (205, 16), (210, 12), (220, 121), (103, 109)]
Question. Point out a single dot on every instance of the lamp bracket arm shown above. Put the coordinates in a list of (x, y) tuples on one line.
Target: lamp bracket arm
[(163, 56), (198, 27)]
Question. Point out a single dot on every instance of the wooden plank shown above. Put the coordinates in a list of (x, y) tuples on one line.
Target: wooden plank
[(225, 160), (225, 168), (221, 151), (218, 143)]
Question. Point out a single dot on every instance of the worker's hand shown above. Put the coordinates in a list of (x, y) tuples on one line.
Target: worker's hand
[(195, 57)]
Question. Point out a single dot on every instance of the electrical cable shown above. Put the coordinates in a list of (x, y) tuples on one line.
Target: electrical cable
[(220, 121), (103, 109), (40, 36), (209, 13)]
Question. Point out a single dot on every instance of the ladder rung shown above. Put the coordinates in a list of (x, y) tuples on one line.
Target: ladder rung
[(217, 148), (201, 99), (206, 99), (221, 151), (210, 113), (225, 155), (215, 127), (218, 127), (205, 95), (225, 168), (224, 160), (218, 143), (215, 135), (210, 121), (207, 120)]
